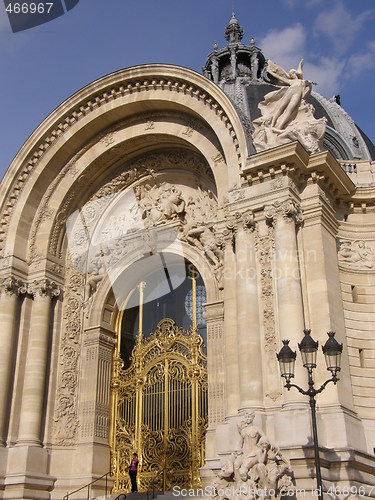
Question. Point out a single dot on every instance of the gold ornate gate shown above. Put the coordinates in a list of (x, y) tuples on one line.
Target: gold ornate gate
[(160, 408)]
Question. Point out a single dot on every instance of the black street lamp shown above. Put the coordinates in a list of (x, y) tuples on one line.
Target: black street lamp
[(308, 348)]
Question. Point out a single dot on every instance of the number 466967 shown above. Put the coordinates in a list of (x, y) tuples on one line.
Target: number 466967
[(29, 8)]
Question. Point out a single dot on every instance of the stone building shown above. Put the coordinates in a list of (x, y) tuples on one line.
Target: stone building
[(192, 222)]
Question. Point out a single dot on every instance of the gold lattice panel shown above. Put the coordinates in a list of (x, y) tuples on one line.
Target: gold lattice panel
[(160, 410)]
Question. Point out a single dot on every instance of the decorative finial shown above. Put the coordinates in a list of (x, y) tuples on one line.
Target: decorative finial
[(252, 41), (215, 45), (233, 32)]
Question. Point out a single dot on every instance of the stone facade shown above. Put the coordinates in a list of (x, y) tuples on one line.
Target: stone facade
[(283, 239)]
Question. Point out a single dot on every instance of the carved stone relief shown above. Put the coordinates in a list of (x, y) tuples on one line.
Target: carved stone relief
[(66, 411), (356, 254), (138, 223), (257, 469), (123, 177), (44, 288), (264, 249)]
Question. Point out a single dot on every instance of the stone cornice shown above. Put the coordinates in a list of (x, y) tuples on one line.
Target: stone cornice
[(363, 198), (292, 160), (291, 153), (324, 167)]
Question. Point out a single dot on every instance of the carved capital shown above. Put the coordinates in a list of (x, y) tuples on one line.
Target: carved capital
[(248, 220), (45, 288), (288, 210), (226, 238), (13, 286)]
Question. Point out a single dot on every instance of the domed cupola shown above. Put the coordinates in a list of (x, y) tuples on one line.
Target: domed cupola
[(247, 78), (236, 60)]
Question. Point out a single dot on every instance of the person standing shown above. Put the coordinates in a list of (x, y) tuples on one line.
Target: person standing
[(133, 467)]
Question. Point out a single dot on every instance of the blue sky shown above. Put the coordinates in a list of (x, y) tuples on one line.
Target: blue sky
[(43, 66)]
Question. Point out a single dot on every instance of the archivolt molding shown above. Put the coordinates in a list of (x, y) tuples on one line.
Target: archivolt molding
[(147, 169), (121, 88), (103, 298), (82, 172)]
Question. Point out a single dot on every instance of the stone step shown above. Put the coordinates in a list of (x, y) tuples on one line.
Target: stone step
[(167, 495), (133, 496)]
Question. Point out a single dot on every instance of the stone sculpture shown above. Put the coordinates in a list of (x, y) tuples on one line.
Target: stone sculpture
[(162, 203), (286, 116), (151, 209), (357, 253), (257, 470)]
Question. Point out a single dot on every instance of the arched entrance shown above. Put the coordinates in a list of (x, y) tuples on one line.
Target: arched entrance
[(159, 385)]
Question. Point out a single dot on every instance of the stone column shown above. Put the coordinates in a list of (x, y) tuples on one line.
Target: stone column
[(285, 216), (214, 315), (11, 288), (36, 362), (232, 392), (250, 356)]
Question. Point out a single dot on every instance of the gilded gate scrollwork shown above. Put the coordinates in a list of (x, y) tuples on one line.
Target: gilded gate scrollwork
[(160, 409)]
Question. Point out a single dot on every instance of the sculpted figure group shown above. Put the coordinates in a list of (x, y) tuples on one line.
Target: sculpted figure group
[(286, 115), (150, 206), (256, 470), (357, 253)]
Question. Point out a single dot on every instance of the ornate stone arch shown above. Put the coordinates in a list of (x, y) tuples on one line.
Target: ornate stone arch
[(89, 115), (94, 138), (105, 309)]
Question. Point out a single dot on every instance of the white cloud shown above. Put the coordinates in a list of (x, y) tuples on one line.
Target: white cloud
[(285, 47), (290, 3), (327, 73), (340, 26), (361, 62), (313, 3)]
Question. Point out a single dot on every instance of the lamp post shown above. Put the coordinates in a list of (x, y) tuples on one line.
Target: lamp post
[(308, 348)]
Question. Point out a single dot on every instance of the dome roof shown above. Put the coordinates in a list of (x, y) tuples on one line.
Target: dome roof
[(241, 71)]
